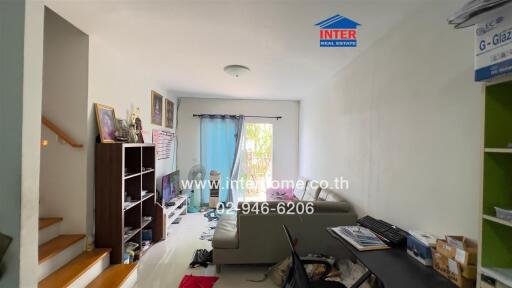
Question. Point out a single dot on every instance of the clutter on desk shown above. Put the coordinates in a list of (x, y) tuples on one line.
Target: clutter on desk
[(361, 238), (419, 245), (455, 258)]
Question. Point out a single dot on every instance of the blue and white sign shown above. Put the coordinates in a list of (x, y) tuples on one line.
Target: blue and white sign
[(494, 45)]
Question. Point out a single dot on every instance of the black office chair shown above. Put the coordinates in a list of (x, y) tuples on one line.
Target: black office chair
[(297, 276)]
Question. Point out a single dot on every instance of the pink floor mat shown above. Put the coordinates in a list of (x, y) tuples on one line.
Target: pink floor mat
[(191, 281)]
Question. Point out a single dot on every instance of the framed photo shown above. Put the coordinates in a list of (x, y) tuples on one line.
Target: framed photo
[(106, 120), (156, 108), (169, 113)]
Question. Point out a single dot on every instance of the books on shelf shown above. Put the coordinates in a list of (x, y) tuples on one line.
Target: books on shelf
[(361, 238)]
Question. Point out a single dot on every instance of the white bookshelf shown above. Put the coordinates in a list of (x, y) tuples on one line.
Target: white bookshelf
[(171, 213)]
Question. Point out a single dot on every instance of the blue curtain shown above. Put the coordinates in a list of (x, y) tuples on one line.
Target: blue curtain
[(218, 144)]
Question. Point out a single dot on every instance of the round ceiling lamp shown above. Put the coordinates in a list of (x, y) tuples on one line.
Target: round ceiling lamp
[(236, 70)]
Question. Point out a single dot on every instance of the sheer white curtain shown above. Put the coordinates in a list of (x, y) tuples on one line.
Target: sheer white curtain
[(236, 190)]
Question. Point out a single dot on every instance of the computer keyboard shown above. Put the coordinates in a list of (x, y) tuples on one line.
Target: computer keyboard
[(392, 235)]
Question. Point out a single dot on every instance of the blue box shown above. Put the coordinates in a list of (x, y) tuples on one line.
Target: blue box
[(419, 250), (147, 235)]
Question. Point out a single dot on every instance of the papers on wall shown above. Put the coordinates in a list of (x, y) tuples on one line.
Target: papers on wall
[(475, 11), (493, 45), (361, 238), (164, 143)]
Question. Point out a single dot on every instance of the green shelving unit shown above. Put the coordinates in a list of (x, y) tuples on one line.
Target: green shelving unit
[(496, 238)]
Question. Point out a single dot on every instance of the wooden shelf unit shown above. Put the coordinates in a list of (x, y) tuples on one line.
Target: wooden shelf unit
[(124, 168), (496, 234)]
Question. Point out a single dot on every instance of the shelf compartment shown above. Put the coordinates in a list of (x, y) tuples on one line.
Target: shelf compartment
[(145, 223), (132, 160), (175, 214), (148, 182), (131, 235), (502, 275), (132, 217), (147, 196), (148, 157), (498, 115), (147, 171), (498, 220), (496, 245), (178, 202), (132, 187), (132, 205), (148, 209), (497, 182)]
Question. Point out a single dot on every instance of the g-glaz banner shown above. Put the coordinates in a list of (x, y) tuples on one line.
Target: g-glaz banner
[(494, 45)]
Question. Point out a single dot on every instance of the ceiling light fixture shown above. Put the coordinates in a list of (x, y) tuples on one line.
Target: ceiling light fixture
[(236, 70)]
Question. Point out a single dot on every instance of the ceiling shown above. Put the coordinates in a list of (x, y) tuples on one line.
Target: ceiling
[(186, 44)]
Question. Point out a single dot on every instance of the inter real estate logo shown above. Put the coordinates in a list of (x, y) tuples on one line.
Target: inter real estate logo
[(338, 31)]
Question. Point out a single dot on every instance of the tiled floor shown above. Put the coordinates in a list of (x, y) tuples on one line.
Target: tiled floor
[(165, 264)]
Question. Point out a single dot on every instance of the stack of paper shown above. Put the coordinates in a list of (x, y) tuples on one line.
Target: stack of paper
[(360, 237), (475, 11)]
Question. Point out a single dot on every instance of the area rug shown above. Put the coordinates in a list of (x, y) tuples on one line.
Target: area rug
[(191, 281)]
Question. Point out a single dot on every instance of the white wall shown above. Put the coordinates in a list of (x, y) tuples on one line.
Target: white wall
[(32, 98), (285, 145), (113, 81), (65, 84), (21, 49), (403, 123)]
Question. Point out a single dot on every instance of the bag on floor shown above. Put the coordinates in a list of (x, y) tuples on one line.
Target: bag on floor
[(278, 272)]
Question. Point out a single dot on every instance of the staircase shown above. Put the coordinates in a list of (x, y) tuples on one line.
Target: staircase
[(64, 263)]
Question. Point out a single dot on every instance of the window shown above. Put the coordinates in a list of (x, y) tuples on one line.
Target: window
[(256, 159)]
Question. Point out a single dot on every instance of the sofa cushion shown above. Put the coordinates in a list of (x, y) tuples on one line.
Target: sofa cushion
[(300, 188), (226, 234), (312, 191)]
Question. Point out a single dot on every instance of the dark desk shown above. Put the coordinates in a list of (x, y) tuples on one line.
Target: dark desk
[(395, 269)]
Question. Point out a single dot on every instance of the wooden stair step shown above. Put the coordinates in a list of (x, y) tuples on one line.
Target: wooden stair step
[(73, 269), (113, 277), (57, 245), (49, 221)]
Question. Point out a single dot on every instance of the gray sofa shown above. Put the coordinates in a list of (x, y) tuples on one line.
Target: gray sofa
[(259, 238)]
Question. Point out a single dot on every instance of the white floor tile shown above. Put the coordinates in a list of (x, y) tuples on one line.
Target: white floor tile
[(165, 264)]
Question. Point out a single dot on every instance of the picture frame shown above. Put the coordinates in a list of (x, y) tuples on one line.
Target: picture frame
[(106, 121), (156, 108), (169, 114)]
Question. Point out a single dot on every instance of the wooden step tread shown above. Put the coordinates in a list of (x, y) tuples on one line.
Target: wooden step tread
[(113, 277), (45, 222), (56, 245), (73, 269)]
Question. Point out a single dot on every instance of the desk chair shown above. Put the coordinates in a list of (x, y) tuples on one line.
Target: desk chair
[(297, 276)]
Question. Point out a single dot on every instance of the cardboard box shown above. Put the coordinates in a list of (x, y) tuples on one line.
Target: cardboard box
[(446, 250), (460, 248), (460, 275), (456, 274), (440, 262), (467, 256), (469, 271)]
